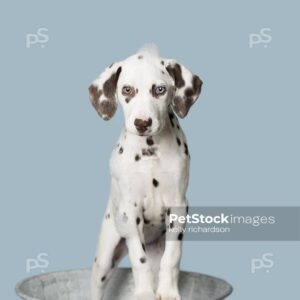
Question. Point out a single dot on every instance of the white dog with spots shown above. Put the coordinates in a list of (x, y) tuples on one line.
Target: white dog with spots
[(149, 171)]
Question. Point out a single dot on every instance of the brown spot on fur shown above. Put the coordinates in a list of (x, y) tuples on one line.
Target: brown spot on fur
[(181, 106), (107, 107), (176, 74), (110, 85)]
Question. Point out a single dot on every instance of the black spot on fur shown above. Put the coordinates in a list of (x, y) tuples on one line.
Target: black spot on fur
[(155, 182), (149, 141), (171, 225), (107, 216), (178, 141), (178, 127), (180, 236), (146, 221), (162, 62), (137, 157), (95, 260), (164, 231), (121, 150), (171, 117), (135, 204), (187, 209), (168, 211), (143, 260), (140, 57), (103, 278), (143, 246), (186, 149), (138, 220)]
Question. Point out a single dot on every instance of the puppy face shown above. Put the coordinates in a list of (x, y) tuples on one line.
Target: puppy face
[(146, 86), (145, 91)]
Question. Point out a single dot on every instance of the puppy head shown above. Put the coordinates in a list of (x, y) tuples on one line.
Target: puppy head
[(145, 85)]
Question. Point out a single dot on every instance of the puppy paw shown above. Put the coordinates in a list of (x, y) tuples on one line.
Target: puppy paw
[(167, 296)]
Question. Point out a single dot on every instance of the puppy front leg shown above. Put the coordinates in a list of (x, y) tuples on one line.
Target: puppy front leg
[(131, 227), (111, 248), (169, 265)]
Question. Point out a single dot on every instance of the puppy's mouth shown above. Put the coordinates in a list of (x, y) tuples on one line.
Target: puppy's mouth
[(149, 132)]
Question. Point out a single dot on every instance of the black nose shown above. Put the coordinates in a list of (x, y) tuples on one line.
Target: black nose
[(142, 125)]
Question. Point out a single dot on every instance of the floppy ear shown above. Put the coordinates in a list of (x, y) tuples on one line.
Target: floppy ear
[(103, 92), (188, 87)]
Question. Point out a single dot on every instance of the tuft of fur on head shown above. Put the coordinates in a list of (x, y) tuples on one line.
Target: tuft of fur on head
[(150, 49)]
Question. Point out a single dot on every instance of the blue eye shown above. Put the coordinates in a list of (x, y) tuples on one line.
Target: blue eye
[(160, 90)]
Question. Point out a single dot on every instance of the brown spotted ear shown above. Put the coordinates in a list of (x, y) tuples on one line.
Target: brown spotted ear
[(103, 92), (188, 87)]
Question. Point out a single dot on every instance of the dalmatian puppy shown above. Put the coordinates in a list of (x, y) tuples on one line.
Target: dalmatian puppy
[(149, 172)]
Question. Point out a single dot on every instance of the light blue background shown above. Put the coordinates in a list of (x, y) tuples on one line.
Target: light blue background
[(243, 133)]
